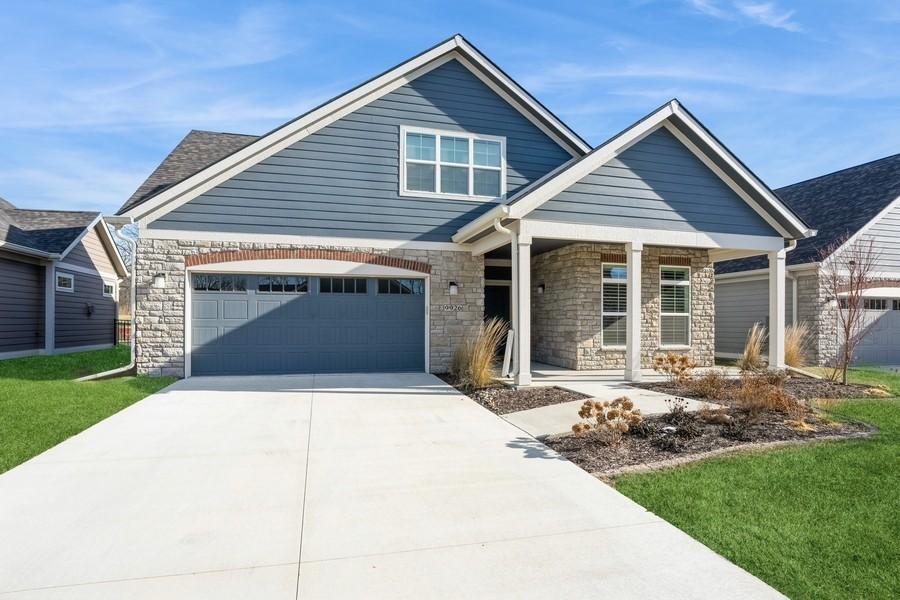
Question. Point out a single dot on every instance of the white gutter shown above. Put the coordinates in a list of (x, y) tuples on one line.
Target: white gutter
[(28, 251), (482, 222)]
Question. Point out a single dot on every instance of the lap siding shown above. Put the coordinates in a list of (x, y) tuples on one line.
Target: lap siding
[(74, 326)]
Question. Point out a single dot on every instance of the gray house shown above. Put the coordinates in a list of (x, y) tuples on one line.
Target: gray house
[(861, 202), (376, 232), (59, 274)]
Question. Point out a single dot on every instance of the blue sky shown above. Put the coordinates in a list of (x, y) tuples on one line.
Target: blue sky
[(96, 93)]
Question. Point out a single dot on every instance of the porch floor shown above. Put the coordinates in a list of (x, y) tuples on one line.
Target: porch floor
[(605, 384)]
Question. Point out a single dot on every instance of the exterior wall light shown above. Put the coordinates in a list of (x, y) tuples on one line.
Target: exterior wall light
[(540, 288), (453, 289), (159, 280)]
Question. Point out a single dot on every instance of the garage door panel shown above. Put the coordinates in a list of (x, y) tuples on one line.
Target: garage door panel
[(880, 344), (260, 330)]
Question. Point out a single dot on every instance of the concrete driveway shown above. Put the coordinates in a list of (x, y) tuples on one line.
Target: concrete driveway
[(334, 486)]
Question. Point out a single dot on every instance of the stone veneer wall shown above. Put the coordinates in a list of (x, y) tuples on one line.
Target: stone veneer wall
[(565, 319), (159, 319), (814, 307)]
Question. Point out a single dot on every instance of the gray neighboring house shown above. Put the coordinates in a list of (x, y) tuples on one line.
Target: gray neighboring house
[(378, 230), (861, 202), (59, 277)]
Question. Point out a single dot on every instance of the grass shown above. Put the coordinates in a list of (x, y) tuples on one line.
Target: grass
[(41, 405), (818, 521)]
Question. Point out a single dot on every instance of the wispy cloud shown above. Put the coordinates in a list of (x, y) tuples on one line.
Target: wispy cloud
[(758, 13)]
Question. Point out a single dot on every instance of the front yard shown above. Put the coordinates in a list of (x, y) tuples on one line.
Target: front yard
[(817, 521), (41, 405)]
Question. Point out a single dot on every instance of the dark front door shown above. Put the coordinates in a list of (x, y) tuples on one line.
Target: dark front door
[(496, 302), (253, 324)]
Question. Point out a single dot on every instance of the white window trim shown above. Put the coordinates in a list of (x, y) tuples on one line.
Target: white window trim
[(603, 282), (472, 137), (690, 309), (68, 276), (103, 289)]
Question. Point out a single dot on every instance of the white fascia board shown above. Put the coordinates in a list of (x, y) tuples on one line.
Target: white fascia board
[(17, 249), (80, 237), (489, 242), (304, 266), (864, 229), (112, 249), (727, 157), (482, 222), (587, 165), (655, 237), (757, 273), (293, 131), (297, 240)]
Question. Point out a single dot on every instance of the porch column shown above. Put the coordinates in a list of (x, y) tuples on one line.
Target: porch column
[(776, 308), (523, 308), (633, 252)]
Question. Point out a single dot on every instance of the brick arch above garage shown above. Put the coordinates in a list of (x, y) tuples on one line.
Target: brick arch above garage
[(211, 258)]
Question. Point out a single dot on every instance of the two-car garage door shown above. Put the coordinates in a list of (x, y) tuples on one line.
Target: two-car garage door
[(250, 323)]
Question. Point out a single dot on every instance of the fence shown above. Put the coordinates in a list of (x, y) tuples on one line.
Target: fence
[(123, 331)]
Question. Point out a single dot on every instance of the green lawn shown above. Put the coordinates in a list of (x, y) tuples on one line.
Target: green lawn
[(818, 521), (41, 405)]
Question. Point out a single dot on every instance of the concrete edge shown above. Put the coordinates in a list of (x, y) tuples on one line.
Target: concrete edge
[(119, 372)]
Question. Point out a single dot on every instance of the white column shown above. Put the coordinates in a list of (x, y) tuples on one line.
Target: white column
[(776, 309), (523, 305), (514, 301), (49, 308), (633, 312)]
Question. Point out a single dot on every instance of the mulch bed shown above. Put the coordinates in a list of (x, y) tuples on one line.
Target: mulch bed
[(502, 399), (649, 447), (803, 388)]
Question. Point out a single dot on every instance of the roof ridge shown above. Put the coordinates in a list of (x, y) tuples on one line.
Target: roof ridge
[(850, 168), (223, 133), (57, 210)]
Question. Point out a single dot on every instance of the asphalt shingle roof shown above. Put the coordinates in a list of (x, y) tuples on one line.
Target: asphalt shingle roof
[(44, 230), (837, 205), (195, 152)]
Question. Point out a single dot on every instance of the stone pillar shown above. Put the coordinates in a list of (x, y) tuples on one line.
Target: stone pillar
[(633, 251)]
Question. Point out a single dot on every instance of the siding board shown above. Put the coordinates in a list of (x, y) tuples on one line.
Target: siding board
[(886, 235), (740, 304), (73, 326), (22, 302), (336, 181)]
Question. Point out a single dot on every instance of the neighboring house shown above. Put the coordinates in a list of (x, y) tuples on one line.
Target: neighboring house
[(59, 274), (376, 232), (861, 202)]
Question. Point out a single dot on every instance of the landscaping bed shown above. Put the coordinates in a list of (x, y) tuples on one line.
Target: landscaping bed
[(654, 444), (503, 399), (802, 388)]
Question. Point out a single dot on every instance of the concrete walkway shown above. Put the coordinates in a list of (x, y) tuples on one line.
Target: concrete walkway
[(359, 486)]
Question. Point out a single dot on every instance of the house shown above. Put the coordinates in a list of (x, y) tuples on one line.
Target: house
[(376, 231), (861, 202), (59, 275)]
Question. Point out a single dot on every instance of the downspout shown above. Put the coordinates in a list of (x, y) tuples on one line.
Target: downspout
[(128, 369), (513, 291)]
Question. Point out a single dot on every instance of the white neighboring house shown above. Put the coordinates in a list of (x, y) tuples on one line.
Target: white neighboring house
[(861, 202)]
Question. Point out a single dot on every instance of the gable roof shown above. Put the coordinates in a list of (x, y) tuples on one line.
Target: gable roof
[(196, 151), (838, 204), (43, 231), (681, 123), (152, 204)]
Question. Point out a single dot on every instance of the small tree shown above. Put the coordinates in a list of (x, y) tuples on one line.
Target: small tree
[(845, 274)]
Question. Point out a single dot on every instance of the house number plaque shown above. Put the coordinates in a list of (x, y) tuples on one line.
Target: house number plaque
[(451, 307)]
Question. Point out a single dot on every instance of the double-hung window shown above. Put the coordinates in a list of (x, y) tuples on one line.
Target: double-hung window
[(675, 306), (613, 305), (447, 163)]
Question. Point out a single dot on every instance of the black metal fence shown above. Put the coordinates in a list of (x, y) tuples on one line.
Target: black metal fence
[(123, 331)]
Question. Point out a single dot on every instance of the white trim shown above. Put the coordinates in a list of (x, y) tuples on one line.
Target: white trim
[(80, 237), (298, 240), (656, 237), (865, 228), (777, 289), (764, 273), (69, 276), (112, 249), (293, 131), (17, 249), (491, 241), (438, 164), (50, 307), (86, 271), (689, 284), (523, 306), (633, 310), (311, 267), (113, 285)]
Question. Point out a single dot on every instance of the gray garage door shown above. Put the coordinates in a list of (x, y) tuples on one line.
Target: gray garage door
[(245, 324), (880, 344)]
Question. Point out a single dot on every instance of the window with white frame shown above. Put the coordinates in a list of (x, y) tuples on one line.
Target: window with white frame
[(674, 306), (109, 289), (65, 282), (613, 302), (447, 163)]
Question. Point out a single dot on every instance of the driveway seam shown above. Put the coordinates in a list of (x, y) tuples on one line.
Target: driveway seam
[(312, 399)]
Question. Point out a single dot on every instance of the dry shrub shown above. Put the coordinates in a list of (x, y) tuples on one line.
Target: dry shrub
[(710, 385), (761, 393), (676, 367), (714, 415), (751, 360), (474, 362), (796, 344), (607, 421), (878, 392)]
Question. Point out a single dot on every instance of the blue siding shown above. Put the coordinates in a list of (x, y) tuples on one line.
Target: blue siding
[(344, 179), (74, 326), (657, 183), (21, 305)]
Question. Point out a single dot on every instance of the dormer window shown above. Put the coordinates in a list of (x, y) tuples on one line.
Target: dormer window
[(452, 164)]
